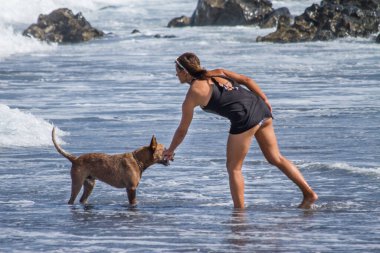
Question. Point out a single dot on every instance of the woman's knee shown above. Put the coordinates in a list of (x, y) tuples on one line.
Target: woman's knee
[(233, 167), (276, 160)]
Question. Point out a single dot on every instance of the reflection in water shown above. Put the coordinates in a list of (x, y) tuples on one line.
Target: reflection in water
[(255, 230), (240, 228), (113, 215)]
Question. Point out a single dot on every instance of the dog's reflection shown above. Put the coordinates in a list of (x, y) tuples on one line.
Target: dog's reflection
[(108, 215)]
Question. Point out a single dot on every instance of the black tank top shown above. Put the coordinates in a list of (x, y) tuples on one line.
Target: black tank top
[(242, 107)]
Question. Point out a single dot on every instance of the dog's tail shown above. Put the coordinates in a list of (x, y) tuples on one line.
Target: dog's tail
[(60, 150)]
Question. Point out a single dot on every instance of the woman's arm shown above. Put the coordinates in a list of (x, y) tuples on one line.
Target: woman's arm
[(249, 83), (188, 106)]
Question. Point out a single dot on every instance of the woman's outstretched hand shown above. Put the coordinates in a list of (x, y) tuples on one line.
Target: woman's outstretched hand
[(169, 155)]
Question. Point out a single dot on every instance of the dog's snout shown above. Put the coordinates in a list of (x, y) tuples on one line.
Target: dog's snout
[(166, 162), (159, 155)]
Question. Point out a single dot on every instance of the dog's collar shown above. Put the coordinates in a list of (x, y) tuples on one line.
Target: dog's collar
[(139, 163)]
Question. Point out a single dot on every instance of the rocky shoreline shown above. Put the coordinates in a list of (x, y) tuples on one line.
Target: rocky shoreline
[(62, 26), (329, 20), (231, 13)]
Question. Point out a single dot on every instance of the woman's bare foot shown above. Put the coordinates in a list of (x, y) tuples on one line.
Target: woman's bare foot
[(308, 200)]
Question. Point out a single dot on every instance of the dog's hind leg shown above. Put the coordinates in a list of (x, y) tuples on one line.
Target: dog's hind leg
[(88, 185), (77, 180)]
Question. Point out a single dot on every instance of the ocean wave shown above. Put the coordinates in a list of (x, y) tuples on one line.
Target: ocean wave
[(14, 11), (374, 171), (14, 18), (12, 43), (22, 129), (296, 7)]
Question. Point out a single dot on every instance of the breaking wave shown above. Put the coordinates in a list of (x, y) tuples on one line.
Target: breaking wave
[(23, 129)]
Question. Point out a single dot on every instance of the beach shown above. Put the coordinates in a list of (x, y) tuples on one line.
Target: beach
[(113, 94)]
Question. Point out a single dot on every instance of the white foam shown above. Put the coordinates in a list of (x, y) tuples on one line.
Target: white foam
[(14, 11), (20, 203), (344, 166), (295, 7), (14, 18), (360, 170), (23, 129), (14, 43)]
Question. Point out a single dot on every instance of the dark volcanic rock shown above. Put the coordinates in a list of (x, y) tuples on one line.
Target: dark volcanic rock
[(180, 22), (272, 19), (157, 36), (230, 13), (330, 20), (62, 26), (135, 31)]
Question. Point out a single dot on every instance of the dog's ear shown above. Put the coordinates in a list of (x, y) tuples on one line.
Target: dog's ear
[(153, 143)]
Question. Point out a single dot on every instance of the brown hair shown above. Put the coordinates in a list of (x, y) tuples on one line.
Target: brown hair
[(192, 65)]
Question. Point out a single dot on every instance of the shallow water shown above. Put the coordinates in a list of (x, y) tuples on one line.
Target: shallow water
[(112, 95)]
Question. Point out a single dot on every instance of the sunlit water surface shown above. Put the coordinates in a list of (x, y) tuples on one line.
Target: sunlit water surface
[(111, 95)]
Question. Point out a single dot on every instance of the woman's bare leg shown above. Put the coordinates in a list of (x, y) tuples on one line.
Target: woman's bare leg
[(267, 141), (237, 148)]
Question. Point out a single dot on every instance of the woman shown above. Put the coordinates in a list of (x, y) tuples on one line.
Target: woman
[(249, 111)]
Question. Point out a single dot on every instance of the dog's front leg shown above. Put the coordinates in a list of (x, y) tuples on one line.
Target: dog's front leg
[(132, 196)]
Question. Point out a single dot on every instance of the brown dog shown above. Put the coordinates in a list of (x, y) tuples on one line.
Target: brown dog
[(121, 170)]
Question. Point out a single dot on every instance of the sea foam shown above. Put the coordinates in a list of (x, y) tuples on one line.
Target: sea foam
[(372, 171), (14, 18), (14, 43), (23, 129)]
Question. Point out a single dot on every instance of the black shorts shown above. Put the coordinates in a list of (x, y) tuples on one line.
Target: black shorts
[(255, 113)]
